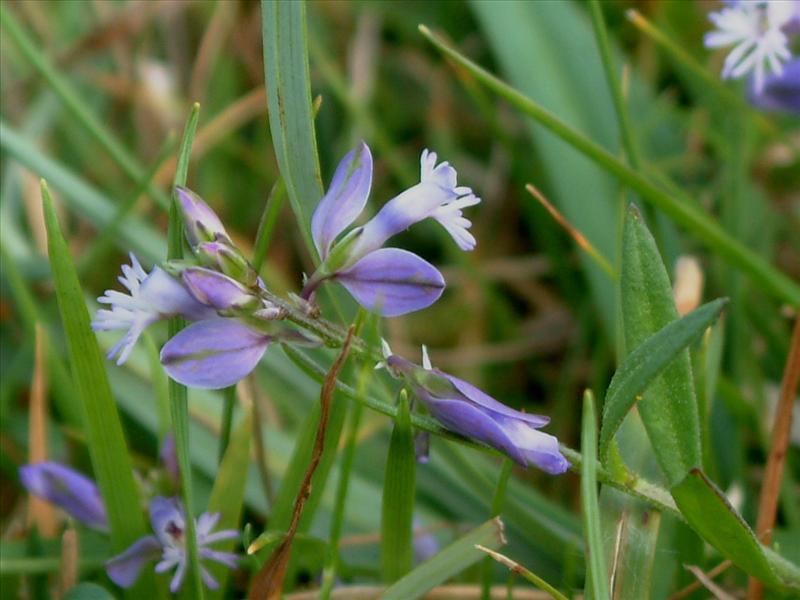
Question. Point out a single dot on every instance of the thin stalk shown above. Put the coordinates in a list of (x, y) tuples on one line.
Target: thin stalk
[(179, 401), (497, 505), (682, 209), (228, 404), (267, 224)]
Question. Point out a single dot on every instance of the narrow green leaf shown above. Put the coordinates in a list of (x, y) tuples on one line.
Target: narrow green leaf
[(597, 573), (449, 562), (105, 440), (399, 488), (88, 591), (227, 495), (682, 209), (648, 360), (178, 397), (291, 117), (710, 514), (668, 406)]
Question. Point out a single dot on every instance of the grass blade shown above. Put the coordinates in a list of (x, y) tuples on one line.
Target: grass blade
[(647, 361), (106, 443), (597, 573), (449, 562), (682, 209), (291, 117), (227, 495), (399, 486)]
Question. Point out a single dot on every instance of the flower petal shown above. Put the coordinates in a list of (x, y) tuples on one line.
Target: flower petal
[(345, 199), (124, 568), (66, 488), (470, 421), (200, 222), (780, 92), (486, 401), (393, 282), (217, 290), (213, 354), (538, 448)]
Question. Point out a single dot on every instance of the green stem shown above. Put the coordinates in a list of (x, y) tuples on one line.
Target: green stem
[(497, 505), (228, 404), (179, 401), (681, 209), (267, 224)]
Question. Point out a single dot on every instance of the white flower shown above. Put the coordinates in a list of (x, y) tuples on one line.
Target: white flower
[(753, 28), (152, 296)]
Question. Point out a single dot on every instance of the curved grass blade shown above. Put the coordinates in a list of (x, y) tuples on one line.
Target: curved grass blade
[(682, 209), (397, 553), (647, 361), (106, 443), (597, 572), (449, 562), (291, 117)]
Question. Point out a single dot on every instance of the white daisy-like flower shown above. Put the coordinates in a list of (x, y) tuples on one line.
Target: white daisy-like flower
[(754, 29)]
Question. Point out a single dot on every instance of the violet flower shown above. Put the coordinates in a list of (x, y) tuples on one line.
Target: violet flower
[(757, 31), (151, 297), (389, 281), (466, 410), (781, 92), (71, 491), (168, 520)]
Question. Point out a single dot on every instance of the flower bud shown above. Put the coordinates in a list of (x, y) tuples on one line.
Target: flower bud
[(201, 223)]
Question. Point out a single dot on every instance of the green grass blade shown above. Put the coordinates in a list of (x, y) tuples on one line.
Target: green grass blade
[(74, 103), (449, 562), (227, 496), (399, 488), (681, 209), (291, 117), (178, 396), (106, 443), (597, 573), (647, 361), (669, 405)]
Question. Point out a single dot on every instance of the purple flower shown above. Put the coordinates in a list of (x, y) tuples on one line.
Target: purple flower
[(200, 222), (781, 92), (386, 280), (213, 354), (76, 494), (466, 410), (151, 297), (168, 520)]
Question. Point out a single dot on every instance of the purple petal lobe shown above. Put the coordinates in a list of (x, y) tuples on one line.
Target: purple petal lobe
[(486, 401), (201, 223), (124, 568), (393, 282), (781, 92), (213, 354), (66, 488), (217, 290), (472, 422), (345, 198), (538, 448)]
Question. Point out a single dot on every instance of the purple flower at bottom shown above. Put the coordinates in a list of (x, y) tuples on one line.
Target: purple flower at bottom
[(466, 410), (168, 520), (71, 491), (781, 92)]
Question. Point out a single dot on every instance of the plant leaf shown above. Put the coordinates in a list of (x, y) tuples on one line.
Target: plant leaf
[(449, 562), (648, 360), (592, 531), (668, 407), (399, 486), (291, 117), (105, 440)]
